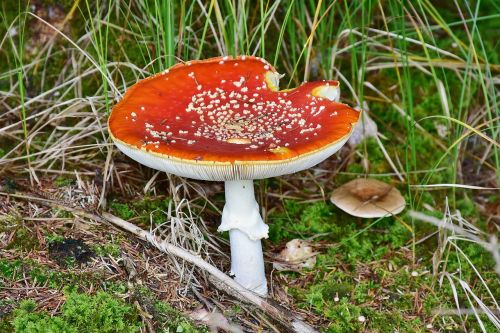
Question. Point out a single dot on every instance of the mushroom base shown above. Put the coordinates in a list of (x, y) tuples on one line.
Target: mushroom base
[(247, 262), (242, 219)]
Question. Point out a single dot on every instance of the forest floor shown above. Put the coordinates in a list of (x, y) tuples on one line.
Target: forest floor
[(427, 74)]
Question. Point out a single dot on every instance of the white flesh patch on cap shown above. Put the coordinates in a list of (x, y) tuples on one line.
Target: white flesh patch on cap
[(329, 92), (273, 80)]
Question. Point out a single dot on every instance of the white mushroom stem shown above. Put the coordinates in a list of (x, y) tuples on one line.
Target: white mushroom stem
[(242, 219)]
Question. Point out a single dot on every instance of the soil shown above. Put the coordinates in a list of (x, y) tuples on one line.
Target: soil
[(70, 250)]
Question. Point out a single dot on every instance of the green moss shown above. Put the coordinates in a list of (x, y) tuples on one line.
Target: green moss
[(5, 325), (64, 214), (16, 269), (23, 240), (377, 162), (143, 211), (372, 244), (27, 320), (80, 313), (115, 287), (122, 210), (344, 312), (482, 260), (62, 181), (9, 268), (167, 318), (107, 249), (341, 289), (174, 321), (466, 206), (53, 238), (343, 297), (302, 220)]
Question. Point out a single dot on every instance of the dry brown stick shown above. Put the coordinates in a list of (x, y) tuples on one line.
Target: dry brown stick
[(222, 281), (219, 279)]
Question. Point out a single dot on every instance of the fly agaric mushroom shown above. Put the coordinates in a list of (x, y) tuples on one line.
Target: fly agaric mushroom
[(223, 119), (368, 198)]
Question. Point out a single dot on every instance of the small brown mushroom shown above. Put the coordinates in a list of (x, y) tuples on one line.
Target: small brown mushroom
[(368, 198)]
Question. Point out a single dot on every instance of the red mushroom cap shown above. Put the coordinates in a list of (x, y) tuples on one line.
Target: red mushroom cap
[(224, 118)]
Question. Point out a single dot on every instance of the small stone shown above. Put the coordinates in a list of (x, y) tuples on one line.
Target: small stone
[(361, 319)]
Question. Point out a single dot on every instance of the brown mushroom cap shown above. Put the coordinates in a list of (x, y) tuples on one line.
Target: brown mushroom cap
[(223, 118), (368, 198)]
